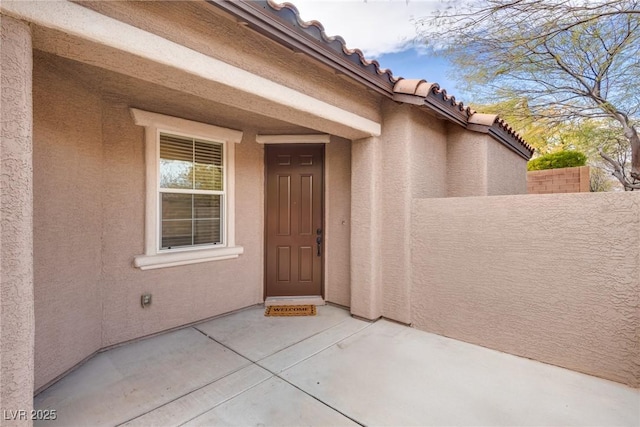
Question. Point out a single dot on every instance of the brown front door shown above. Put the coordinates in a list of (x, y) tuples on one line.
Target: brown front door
[(294, 210)]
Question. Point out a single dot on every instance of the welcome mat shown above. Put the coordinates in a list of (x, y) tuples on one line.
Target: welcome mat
[(290, 310)]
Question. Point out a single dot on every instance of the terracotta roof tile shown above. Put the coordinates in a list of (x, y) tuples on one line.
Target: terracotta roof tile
[(421, 87), (483, 119), (418, 87)]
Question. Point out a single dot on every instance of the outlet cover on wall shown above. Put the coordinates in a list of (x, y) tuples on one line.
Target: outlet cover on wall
[(145, 300)]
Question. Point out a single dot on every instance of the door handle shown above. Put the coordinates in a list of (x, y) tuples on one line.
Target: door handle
[(319, 240)]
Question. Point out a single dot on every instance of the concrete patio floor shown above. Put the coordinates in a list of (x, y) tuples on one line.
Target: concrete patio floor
[(327, 370)]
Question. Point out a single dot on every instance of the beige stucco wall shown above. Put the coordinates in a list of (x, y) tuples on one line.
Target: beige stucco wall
[(337, 278), (506, 170), (466, 162), (408, 160), (365, 268), (67, 222), (554, 278), (479, 165), (16, 229), (429, 148), (412, 163)]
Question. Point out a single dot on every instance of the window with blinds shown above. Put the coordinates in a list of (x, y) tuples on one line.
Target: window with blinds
[(191, 186)]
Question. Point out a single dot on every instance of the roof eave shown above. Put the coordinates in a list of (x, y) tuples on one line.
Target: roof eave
[(436, 103), (505, 138), (282, 30), (282, 24), (447, 107)]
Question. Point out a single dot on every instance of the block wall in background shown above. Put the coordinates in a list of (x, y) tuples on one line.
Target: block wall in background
[(565, 180)]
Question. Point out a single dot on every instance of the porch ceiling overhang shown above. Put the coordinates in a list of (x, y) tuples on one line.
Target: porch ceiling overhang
[(75, 32)]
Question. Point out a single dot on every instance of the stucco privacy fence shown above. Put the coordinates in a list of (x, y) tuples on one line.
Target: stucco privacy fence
[(555, 278)]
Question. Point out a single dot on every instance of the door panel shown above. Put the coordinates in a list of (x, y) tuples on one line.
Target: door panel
[(306, 205), (305, 267), (284, 264), (284, 205), (294, 209)]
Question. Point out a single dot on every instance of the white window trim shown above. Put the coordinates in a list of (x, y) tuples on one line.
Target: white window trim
[(154, 257), (293, 139)]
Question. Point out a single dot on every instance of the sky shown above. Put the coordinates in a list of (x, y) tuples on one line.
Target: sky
[(384, 30)]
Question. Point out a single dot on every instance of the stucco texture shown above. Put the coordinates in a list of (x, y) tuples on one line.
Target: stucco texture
[(554, 278), (16, 229), (337, 236), (506, 170), (67, 222), (366, 288), (478, 165), (412, 163), (466, 163), (408, 160)]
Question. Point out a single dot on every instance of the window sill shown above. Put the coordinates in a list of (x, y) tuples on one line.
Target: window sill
[(149, 262)]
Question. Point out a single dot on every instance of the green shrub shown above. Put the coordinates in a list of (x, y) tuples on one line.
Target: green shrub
[(560, 159)]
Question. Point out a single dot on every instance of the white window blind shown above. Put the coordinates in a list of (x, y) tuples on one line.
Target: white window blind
[(191, 186)]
